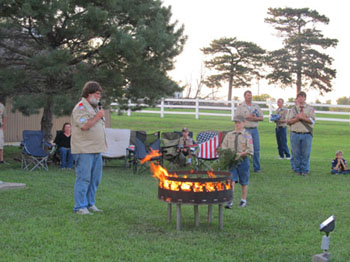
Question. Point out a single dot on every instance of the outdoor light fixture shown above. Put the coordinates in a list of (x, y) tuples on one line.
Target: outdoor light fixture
[(326, 226)]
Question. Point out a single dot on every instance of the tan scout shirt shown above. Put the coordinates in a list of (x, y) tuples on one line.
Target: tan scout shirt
[(185, 142), (92, 140), (244, 142), (299, 126), (245, 110), (283, 112)]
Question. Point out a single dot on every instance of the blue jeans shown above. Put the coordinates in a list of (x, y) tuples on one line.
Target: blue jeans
[(241, 172), (301, 150), (66, 157), (281, 137), (256, 143), (88, 168)]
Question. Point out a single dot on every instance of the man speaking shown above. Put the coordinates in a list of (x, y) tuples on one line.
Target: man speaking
[(88, 141)]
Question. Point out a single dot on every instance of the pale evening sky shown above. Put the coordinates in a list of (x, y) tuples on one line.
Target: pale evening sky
[(206, 20)]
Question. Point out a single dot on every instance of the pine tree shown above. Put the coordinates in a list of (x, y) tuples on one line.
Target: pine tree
[(300, 61), (49, 49), (235, 62)]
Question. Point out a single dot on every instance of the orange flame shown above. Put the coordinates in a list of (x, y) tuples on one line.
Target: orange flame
[(162, 175), (154, 153)]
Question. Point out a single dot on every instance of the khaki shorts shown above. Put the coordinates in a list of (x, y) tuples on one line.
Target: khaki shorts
[(1, 139)]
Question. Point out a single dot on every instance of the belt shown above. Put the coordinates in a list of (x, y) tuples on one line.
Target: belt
[(281, 127), (250, 127), (301, 132)]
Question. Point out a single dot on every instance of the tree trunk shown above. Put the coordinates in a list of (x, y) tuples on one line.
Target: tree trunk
[(229, 96), (46, 120)]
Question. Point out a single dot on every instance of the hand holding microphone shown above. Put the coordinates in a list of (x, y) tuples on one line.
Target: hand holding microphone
[(101, 112)]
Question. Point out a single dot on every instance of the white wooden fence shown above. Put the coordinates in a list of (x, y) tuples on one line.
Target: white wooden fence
[(197, 105)]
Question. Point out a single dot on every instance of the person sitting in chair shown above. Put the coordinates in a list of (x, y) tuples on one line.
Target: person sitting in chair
[(185, 144), (62, 141)]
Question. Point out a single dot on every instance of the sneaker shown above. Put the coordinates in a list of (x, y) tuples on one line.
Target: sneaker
[(257, 171), (243, 203), (281, 158), (94, 209), (304, 174), (83, 211), (229, 205), (288, 158)]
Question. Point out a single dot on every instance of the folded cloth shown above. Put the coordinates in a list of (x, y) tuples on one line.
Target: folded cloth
[(275, 117)]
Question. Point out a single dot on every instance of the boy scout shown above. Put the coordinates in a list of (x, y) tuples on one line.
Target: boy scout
[(2, 128), (301, 119), (184, 143), (252, 114), (281, 130), (240, 141), (88, 141)]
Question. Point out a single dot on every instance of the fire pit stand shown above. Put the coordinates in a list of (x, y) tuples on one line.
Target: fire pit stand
[(196, 216), (196, 190)]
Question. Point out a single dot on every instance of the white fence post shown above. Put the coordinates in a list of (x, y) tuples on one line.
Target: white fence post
[(162, 108), (270, 109), (129, 107), (197, 108), (232, 109)]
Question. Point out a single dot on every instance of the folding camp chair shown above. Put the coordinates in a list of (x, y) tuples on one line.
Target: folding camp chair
[(117, 141), (169, 147), (207, 144), (33, 153), (145, 143)]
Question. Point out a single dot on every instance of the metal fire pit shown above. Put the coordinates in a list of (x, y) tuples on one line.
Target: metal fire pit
[(196, 189)]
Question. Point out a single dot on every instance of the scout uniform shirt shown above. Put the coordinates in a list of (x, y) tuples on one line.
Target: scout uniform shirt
[(92, 140), (283, 112), (302, 127), (2, 113), (245, 110), (238, 142), (185, 142)]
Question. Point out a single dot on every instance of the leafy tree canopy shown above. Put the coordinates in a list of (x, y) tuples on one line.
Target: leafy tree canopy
[(49, 49), (235, 62), (301, 60)]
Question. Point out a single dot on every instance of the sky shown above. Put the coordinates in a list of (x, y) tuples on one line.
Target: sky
[(206, 20)]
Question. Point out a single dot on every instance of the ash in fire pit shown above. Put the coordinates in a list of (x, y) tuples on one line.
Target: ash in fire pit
[(196, 188)]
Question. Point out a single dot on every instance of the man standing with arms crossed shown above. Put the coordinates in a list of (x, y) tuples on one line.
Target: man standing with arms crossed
[(252, 114), (2, 128), (301, 119), (88, 141)]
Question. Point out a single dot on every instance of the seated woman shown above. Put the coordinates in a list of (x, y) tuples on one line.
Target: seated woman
[(62, 140)]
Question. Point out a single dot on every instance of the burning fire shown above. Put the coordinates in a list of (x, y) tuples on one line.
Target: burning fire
[(163, 176)]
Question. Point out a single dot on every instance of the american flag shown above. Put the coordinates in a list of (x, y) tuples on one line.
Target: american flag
[(208, 142)]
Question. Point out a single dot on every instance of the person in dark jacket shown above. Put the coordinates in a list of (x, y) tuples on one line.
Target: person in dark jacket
[(62, 141)]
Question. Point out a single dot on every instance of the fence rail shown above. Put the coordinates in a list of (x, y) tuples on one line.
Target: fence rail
[(197, 105)]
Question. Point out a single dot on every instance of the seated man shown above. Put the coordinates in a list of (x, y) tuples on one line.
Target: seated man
[(185, 144)]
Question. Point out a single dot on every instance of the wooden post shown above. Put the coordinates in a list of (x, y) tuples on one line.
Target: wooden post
[(232, 109), (197, 108), (129, 107), (169, 212), (196, 219), (210, 213), (178, 217), (162, 108)]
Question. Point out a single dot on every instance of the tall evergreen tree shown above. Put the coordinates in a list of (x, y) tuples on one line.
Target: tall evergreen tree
[(235, 62), (301, 61), (50, 48)]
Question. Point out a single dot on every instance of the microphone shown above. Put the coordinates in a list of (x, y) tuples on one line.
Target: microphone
[(100, 107)]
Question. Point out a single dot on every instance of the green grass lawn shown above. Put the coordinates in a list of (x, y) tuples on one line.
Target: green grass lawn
[(281, 222)]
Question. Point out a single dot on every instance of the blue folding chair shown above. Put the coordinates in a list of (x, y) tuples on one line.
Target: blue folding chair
[(33, 153), (145, 143)]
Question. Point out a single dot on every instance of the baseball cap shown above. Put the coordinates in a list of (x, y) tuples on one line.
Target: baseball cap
[(185, 129), (238, 118)]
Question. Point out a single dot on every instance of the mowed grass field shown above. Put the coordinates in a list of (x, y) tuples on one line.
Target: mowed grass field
[(281, 222)]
